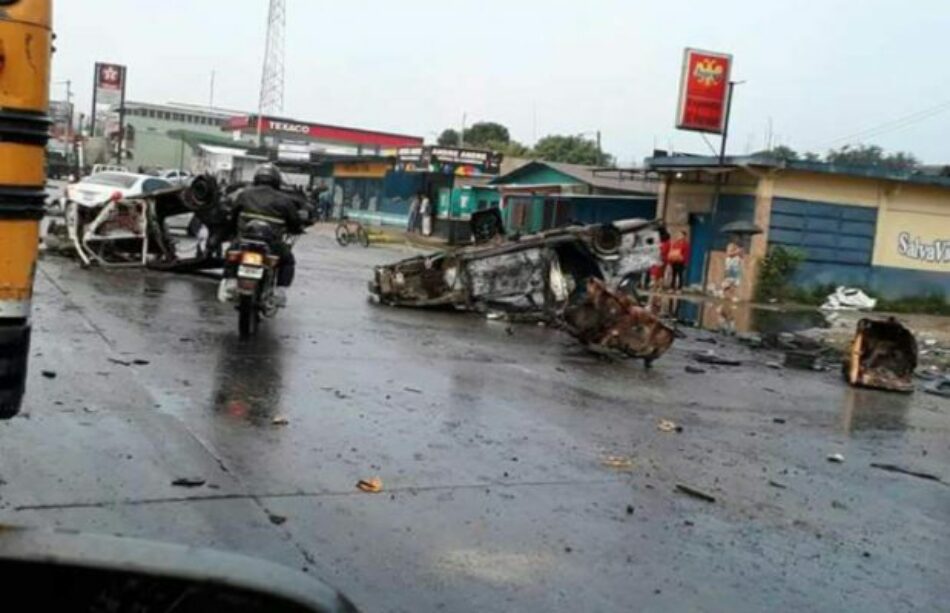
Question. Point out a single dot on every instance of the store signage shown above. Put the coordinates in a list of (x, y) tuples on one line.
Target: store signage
[(363, 170), (442, 159), (286, 126), (704, 91), (110, 83), (933, 252)]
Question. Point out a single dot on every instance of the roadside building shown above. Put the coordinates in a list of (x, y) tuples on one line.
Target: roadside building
[(296, 140), (541, 195), (884, 231), (148, 143)]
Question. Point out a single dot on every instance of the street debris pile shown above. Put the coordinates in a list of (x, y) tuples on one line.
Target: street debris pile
[(848, 299), (568, 277), (883, 356), (612, 320)]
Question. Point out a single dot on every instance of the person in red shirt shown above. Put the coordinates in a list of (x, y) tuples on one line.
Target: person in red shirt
[(677, 257), (658, 272)]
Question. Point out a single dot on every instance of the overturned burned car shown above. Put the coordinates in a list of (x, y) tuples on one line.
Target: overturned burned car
[(568, 276), (539, 272)]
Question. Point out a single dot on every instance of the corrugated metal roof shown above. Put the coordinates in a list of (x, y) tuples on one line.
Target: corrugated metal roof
[(595, 176)]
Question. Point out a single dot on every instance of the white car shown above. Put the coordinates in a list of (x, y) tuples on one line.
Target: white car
[(97, 189), (107, 168), (178, 177)]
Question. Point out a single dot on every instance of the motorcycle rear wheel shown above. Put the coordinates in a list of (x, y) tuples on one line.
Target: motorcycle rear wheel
[(362, 237), (247, 317)]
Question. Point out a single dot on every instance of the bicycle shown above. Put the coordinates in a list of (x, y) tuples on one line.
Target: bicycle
[(348, 232)]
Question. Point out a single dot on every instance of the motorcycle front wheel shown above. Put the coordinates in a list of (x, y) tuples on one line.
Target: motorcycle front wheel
[(247, 317), (342, 235)]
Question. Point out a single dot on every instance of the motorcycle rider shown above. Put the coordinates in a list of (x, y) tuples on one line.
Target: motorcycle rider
[(265, 201)]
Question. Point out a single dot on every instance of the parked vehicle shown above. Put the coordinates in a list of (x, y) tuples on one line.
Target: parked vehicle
[(250, 273), (177, 177), (96, 169), (348, 232), (99, 188)]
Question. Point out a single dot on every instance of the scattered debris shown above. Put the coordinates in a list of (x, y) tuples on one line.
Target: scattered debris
[(188, 482), (120, 362), (140, 362), (712, 358), (618, 462), (666, 425), (370, 486), (939, 387), (277, 520), (883, 356), (630, 509), (778, 485), (412, 390), (778, 420), (904, 471), (803, 360), (707, 339), (690, 491), (280, 420), (613, 320), (340, 395), (774, 365), (694, 370), (49, 374), (848, 299), (838, 505), (836, 458)]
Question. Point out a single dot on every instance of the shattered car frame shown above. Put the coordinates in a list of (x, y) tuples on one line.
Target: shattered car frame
[(537, 273)]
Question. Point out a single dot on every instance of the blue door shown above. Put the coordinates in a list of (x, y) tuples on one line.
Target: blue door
[(700, 238)]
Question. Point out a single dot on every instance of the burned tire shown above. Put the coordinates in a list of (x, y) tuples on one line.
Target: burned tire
[(247, 317), (362, 237), (342, 235)]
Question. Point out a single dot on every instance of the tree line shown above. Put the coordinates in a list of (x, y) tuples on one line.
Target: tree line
[(580, 150), (554, 148)]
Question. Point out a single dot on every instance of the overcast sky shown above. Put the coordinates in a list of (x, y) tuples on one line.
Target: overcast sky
[(820, 70)]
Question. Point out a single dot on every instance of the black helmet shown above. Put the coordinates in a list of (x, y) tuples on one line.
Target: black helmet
[(267, 175)]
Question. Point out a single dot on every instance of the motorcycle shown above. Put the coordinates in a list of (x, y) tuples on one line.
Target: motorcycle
[(250, 274)]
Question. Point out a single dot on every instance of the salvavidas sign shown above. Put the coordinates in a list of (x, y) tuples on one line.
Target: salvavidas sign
[(933, 252)]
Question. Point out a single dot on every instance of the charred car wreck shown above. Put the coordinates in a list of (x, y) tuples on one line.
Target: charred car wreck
[(571, 277)]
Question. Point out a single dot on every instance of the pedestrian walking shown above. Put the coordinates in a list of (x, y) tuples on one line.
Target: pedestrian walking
[(414, 213), (425, 211), (732, 277), (679, 255)]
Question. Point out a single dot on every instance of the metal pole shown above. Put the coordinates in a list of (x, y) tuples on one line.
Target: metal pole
[(718, 190), (600, 151), (120, 151), (462, 132), (95, 90)]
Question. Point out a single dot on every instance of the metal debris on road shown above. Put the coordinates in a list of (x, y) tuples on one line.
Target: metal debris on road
[(694, 370), (49, 374), (666, 425), (188, 482), (412, 390), (613, 320), (904, 471), (778, 485), (695, 493), (277, 520), (715, 360), (370, 486), (883, 356), (120, 362), (280, 420), (836, 458), (618, 462)]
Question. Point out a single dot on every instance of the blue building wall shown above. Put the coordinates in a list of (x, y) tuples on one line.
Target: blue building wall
[(838, 243)]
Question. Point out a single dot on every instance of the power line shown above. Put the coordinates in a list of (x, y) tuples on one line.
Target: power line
[(894, 124)]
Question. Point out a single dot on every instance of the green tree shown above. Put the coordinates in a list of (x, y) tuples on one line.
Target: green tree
[(570, 150), (871, 155), (782, 152), (486, 133), (449, 138)]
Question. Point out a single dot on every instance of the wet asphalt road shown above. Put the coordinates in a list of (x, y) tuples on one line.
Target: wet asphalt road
[(519, 473)]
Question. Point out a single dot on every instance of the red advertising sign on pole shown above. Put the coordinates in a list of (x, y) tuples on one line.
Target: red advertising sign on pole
[(704, 91), (109, 83)]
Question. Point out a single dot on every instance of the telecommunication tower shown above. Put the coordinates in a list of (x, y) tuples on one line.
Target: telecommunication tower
[(272, 78)]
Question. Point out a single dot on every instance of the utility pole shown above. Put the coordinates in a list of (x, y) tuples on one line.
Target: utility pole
[(600, 150), (462, 132), (95, 91), (722, 162), (121, 147)]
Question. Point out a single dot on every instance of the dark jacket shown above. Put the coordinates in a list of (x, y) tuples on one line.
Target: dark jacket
[(266, 201)]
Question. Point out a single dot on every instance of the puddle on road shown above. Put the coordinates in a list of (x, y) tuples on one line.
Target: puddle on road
[(742, 317)]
